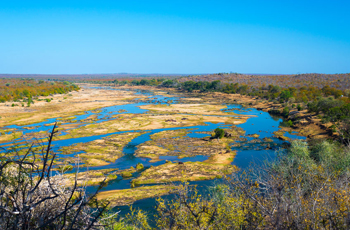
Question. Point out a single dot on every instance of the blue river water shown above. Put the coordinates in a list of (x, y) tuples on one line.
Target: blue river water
[(248, 151)]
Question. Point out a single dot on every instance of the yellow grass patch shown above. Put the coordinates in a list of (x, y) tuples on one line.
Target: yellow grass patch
[(129, 196)]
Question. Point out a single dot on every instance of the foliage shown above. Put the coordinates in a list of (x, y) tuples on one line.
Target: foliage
[(219, 133), (31, 198), (139, 167), (285, 112), (305, 188), (287, 123), (299, 107), (13, 89), (329, 83), (138, 219), (190, 210)]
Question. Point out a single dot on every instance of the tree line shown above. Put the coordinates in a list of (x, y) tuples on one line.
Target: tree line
[(14, 89)]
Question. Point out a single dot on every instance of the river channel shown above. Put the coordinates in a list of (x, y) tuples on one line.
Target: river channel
[(248, 151)]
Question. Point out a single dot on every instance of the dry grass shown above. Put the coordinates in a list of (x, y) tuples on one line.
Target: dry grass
[(77, 103), (214, 167), (129, 196)]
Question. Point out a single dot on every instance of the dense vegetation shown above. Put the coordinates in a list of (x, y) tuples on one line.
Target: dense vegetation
[(18, 89)]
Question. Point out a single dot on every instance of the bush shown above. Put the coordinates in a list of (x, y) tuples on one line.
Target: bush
[(306, 187), (31, 198), (126, 174), (219, 133), (288, 123), (299, 107), (285, 112), (139, 167)]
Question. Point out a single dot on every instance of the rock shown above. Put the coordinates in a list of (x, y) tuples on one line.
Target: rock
[(227, 134), (254, 135), (294, 112), (283, 138)]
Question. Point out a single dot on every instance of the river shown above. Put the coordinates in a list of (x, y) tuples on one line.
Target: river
[(248, 152)]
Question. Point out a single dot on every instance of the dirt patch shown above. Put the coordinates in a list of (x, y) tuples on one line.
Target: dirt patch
[(214, 167), (64, 106), (102, 151), (9, 137), (152, 152), (280, 135), (176, 143), (129, 196), (95, 177), (125, 122), (201, 109), (91, 178)]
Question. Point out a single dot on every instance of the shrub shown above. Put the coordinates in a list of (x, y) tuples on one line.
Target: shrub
[(139, 166), (306, 187), (219, 133), (126, 174), (288, 123), (285, 112), (31, 198)]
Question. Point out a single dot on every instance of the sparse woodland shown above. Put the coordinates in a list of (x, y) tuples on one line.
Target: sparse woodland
[(24, 89)]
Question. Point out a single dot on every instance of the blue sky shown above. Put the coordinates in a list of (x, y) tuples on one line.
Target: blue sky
[(187, 37)]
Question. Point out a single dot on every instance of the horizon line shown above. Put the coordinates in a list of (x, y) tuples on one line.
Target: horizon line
[(168, 74)]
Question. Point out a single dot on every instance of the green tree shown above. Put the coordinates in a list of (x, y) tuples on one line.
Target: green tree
[(219, 133), (285, 112)]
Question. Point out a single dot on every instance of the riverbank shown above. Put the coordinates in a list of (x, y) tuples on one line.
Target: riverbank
[(63, 105), (305, 123)]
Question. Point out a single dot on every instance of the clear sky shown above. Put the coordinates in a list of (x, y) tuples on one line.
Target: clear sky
[(166, 36)]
